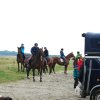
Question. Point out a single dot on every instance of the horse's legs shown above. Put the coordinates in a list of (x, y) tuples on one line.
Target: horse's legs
[(28, 70), (50, 69), (41, 74), (18, 66), (53, 67), (44, 70), (46, 67), (38, 71), (65, 70), (33, 74), (23, 66)]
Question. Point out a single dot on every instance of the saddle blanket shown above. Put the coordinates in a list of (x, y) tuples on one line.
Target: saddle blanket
[(61, 60)]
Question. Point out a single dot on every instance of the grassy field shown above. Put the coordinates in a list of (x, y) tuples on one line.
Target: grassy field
[(9, 71)]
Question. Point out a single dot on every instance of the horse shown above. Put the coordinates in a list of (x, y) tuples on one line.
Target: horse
[(36, 62), (28, 66), (5, 98), (20, 60), (57, 60)]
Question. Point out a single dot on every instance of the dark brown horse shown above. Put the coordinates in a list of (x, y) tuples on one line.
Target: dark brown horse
[(36, 62), (57, 60), (43, 64), (5, 98), (20, 60)]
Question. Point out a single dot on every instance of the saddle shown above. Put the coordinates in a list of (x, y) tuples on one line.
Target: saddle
[(27, 59), (46, 61), (61, 60)]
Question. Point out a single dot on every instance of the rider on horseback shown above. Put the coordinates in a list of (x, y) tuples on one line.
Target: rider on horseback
[(22, 51), (35, 49), (62, 55), (46, 54)]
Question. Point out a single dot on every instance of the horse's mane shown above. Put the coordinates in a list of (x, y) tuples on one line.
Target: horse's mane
[(70, 55), (36, 60), (19, 50)]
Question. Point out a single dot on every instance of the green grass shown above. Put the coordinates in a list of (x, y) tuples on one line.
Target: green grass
[(9, 70)]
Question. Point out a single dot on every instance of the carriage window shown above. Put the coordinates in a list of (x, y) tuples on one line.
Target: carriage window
[(95, 43), (96, 63)]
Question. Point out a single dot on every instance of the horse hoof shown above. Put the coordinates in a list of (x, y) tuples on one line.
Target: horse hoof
[(33, 80), (65, 72), (28, 78), (40, 80)]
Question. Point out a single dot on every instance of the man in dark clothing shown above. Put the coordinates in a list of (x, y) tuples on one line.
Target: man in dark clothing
[(46, 53), (35, 49)]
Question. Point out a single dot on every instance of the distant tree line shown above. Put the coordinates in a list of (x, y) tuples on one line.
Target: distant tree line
[(14, 53), (8, 53)]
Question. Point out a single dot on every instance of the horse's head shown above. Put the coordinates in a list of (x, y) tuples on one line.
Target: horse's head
[(19, 50), (41, 53), (70, 55)]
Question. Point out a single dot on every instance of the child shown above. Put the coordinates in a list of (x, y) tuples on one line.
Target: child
[(75, 72), (80, 63)]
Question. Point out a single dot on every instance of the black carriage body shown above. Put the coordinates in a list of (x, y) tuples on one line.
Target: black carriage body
[(92, 43), (91, 74)]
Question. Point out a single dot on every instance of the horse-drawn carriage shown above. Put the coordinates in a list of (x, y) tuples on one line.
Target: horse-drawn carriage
[(91, 71)]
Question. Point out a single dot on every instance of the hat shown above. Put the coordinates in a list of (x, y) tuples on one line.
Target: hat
[(62, 49), (45, 48), (22, 44), (36, 44)]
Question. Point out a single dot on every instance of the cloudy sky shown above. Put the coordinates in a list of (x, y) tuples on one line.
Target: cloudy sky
[(55, 24)]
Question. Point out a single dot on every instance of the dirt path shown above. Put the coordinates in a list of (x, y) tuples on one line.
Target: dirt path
[(54, 87)]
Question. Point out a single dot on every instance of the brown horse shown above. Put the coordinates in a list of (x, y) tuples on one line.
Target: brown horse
[(36, 62), (20, 60), (5, 98), (43, 64), (56, 60)]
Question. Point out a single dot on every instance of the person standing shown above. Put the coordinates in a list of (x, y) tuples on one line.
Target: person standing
[(78, 55), (80, 63), (75, 72)]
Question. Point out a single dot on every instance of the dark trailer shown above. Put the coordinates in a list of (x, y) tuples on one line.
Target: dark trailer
[(91, 72)]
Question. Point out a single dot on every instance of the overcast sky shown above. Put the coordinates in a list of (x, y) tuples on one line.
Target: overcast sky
[(55, 24)]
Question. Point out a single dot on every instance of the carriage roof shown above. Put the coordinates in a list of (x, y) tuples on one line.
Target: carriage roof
[(89, 35)]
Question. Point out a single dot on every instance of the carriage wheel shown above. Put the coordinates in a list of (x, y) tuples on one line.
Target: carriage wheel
[(95, 95), (83, 94)]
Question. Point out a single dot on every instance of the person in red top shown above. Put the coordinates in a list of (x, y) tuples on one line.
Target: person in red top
[(80, 63)]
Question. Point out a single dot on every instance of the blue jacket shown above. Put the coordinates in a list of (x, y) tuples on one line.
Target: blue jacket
[(22, 50), (62, 54)]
